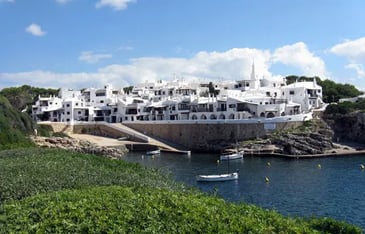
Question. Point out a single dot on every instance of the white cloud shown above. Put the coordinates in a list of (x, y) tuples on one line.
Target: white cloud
[(115, 4), (358, 68), (12, 1), (90, 57), (354, 49), (233, 64), (126, 48), (298, 56), (63, 1), (35, 30)]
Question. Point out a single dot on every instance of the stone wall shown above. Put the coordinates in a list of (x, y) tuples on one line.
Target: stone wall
[(208, 137), (59, 127)]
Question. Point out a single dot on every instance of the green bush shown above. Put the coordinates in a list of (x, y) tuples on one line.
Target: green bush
[(116, 209), (26, 172)]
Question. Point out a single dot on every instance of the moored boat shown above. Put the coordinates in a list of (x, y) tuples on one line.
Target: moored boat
[(218, 177), (153, 152), (231, 155)]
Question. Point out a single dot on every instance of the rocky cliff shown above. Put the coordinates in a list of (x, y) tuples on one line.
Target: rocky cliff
[(314, 137), (348, 127)]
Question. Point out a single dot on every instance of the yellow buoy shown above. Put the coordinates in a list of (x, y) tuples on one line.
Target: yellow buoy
[(319, 165), (267, 179), (362, 166)]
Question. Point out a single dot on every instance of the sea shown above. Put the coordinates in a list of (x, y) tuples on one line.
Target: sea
[(318, 187)]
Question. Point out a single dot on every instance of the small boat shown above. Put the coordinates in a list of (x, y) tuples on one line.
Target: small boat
[(231, 155), (219, 177), (153, 152)]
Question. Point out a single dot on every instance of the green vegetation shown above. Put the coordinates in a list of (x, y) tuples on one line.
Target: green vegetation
[(128, 89), (346, 107), (116, 209), (55, 191), (26, 172), (14, 126), (332, 92), (23, 97)]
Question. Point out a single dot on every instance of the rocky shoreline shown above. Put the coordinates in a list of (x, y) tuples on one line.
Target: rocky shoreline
[(81, 146)]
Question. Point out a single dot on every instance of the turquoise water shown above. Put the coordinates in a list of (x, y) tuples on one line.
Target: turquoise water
[(332, 187)]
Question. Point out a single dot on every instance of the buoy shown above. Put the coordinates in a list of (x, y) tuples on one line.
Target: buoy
[(319, 165), (267, 179), (142, 156), (268, 164), (362, 166), (218, 161)]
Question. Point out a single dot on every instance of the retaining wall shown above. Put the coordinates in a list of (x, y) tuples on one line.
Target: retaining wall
[(209, 137)]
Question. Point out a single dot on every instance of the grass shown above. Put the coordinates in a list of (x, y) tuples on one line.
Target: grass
[(27, 172), (56, 191)]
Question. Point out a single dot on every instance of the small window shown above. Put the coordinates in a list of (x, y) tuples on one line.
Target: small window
[(79, 112), (68, 105), (101, 101), (68, 112), (291, 92)]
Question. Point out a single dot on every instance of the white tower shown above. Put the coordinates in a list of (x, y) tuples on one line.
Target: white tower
[(255, 83)]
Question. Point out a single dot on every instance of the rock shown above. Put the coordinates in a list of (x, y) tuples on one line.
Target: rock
[(81, 146)]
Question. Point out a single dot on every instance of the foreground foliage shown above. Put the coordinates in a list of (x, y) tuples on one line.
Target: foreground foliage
[(26, 172), (116, 209), (56, 191)]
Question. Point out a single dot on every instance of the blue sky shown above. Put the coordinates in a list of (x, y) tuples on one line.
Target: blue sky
[(88, 43)]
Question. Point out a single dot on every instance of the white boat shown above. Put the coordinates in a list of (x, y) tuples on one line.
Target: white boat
[(153, 152), (219, 177), (231, 155)]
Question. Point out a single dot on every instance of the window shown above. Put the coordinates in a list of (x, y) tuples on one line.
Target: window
[(291, 92), (232, 105), (68, 112), (100, 94), (101, 101), (68, 105), (79, 112)]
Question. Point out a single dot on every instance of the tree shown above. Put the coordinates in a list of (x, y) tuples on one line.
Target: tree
[(24, 96)]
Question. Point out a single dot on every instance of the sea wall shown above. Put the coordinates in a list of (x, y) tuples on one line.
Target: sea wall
[(211, 136)]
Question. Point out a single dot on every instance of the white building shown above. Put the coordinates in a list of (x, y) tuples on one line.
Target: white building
[(180, 100)]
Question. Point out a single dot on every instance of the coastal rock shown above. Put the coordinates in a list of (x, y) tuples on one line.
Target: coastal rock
[(303, 143), (348, 127), (81, 146)]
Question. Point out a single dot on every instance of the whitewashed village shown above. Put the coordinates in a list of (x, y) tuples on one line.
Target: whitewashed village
[(181, 101)]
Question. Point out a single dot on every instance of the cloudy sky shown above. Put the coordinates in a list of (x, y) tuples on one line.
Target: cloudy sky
[(88, 43)]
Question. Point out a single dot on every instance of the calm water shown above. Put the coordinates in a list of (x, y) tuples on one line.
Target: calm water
[(297, 187)]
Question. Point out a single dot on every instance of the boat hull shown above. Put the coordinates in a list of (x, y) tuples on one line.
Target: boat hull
[(154, 152), (231, 156), (219, 177)]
